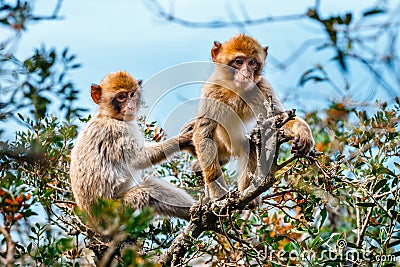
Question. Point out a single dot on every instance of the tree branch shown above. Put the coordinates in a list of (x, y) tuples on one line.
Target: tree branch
[(161, 12), (206, 216), (53, 16), (9, 262), (112, 250)]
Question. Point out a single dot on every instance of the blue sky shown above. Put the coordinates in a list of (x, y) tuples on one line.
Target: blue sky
[(125, 35)]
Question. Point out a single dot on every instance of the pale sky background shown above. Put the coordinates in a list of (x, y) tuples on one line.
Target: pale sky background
[(125, 35)]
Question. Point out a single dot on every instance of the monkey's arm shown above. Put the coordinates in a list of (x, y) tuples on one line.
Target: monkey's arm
[(303, 141), (157, 152)]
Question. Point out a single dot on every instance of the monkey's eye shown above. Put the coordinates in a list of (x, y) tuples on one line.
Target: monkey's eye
[(239, 61), (132, 94), (121, 96), (252, 62)]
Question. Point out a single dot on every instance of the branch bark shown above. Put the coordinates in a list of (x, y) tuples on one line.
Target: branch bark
[(112, 250), (205, 216), (9, 262)]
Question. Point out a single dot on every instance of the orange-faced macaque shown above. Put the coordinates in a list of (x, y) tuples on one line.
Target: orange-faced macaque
[(110, 154), (232, 98)]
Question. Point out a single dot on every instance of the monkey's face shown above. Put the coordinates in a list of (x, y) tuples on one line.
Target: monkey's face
[(244, 55), (118, 96), (245, 69), (126, 104)]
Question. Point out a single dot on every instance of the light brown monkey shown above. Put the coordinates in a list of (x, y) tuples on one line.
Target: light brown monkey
[(110, 153), (231, 99)]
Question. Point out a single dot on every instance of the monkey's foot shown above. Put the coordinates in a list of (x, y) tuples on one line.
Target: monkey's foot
[(254, 203), (218, 188)]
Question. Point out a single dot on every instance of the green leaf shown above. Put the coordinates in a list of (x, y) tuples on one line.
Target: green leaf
[(29, 248), (379, 185), (395, 215), (323, 216), (395, 243), (278, 238), (341, 57), (317, 242), (397, 165), (21, 117), (366, 204), (374, 11), (348, 18), (390, 203), (395, 182), (384, 170)]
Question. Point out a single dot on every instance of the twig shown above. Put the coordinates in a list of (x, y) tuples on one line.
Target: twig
[(161, 12), (58, 188), (361, 232), (388, 192), (112, 250), (279, 193), (10, 247), (53, 16), (287, 162)]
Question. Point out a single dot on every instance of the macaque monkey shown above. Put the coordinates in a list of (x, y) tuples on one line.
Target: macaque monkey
[(232, 98), (110, 153)]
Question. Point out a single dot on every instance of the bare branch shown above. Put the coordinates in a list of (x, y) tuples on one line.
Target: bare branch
[(162, 13), (112, 249), (53, 16), (10, 247), (363, 227)]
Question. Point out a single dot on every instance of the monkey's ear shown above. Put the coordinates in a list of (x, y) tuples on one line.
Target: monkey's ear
[(139, 82), (95, 92), (215, 50), (265, 50)]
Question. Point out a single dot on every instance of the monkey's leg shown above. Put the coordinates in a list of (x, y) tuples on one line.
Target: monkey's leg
[(207, 150), (247, 167), (196, 169), (212, 173), (198, 172), (165, 198)]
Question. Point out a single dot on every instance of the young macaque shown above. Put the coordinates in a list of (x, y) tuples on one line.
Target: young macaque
[(232, 98), (110, 153)]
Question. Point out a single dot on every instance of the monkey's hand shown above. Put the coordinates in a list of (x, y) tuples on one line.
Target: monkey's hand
[(303, 141), (186, 136)]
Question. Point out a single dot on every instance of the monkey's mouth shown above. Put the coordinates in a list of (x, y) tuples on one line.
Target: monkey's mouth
[(128, 116), (241, 79)]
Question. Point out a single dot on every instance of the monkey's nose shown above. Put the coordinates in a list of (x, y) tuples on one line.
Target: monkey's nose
[(246, 74)]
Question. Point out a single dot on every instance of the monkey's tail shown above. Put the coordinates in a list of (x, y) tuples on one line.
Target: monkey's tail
[(165, 198)]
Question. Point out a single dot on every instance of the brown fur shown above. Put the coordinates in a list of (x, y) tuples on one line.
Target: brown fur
[(110, 153), (226, 103)]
